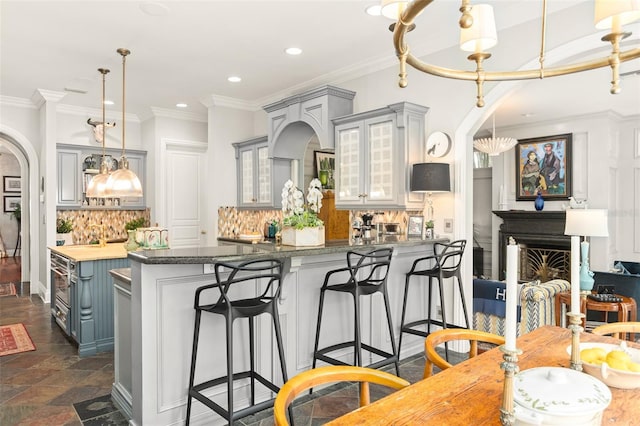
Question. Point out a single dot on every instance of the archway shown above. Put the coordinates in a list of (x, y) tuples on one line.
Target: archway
[(23, 150)]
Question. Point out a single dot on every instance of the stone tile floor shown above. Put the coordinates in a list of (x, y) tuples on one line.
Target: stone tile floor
[(53, 386)]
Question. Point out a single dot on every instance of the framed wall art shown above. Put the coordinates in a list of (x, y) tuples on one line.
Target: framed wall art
[(414, 227), (543, 165), (11, 203), (12, 184), (325, 168)]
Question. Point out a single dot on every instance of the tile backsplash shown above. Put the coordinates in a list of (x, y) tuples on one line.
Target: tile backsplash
[(233, 221), (113, 220)]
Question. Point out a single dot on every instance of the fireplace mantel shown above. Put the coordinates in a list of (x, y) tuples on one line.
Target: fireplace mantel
[(539, 228)]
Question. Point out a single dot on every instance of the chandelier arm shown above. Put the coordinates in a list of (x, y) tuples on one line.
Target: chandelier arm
[(518, 75), (414, 8)]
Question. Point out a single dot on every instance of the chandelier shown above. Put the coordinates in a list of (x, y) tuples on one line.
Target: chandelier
[(478, 33), (493, 145)]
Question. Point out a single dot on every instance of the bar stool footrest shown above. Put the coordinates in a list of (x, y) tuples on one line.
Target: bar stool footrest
[(195, 392), (321, 354), (408, 327)]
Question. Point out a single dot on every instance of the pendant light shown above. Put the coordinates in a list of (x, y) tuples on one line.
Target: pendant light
[(98, 185), (493, 145), (123, 182)]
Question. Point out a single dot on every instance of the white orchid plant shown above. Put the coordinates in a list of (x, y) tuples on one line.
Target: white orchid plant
[(294, 210)]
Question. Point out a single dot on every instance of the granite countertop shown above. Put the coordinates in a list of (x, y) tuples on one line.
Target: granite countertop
[(230, 250), (82, 253)]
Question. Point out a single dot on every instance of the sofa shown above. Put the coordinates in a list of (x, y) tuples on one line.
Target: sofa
[(536, 305), (626, 282)]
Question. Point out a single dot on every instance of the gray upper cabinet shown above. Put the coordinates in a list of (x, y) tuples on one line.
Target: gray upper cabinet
[(260, 178), (78, 165), (69, 178), (375, 151)]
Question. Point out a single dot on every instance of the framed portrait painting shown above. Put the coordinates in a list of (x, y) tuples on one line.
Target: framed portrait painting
[(12, 184), (543, 165)]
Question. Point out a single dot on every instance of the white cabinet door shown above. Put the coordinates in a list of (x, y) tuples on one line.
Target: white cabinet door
[(69, 178), (246, 177), (349, 166), (380, 176), (264, 181)]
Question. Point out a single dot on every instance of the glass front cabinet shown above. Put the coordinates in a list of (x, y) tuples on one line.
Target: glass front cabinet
[(374, 154), (260, 178)]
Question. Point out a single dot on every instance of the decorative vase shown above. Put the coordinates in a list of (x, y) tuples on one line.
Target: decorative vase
[(131, 244), (323, 175), (305, 237), (428, 233), (539, 202), (66, 237)]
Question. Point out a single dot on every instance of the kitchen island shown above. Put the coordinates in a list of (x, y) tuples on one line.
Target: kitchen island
[(82, 294), (163, 285)]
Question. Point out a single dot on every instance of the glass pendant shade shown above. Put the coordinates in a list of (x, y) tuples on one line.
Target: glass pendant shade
[(124, 183), (97, 188), (482, 34), (98, 185)]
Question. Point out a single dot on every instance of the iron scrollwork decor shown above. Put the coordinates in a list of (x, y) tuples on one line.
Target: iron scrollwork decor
[(544, 165)]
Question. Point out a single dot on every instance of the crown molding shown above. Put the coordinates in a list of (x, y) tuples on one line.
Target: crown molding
[(178, 115), (40, 96), (228, 102), (17, 102)]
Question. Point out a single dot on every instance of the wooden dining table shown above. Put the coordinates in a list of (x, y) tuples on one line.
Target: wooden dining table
[(470, 393)]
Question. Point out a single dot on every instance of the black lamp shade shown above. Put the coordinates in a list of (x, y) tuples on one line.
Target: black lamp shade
[(430, 177)]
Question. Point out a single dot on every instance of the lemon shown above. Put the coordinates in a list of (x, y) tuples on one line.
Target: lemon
[(619, 356), (593, 355), (617, 364), (633, 366)]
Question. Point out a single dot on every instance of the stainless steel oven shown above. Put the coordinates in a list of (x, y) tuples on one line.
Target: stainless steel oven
[(63, 274)]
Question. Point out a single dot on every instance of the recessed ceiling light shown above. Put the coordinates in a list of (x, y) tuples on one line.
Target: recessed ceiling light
[(234, 79), (181, 105), (293, 51), (528, 114), (108, 102), (374, 10)]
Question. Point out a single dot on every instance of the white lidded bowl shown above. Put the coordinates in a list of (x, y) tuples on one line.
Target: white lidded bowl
[(620, 379), (559, 396)]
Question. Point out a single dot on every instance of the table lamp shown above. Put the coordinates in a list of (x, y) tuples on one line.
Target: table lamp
[(585, 223), (429, 178)]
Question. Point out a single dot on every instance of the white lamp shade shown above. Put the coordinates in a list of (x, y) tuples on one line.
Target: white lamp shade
[(393, 8), (98, 186), (612, 14), (124, 183), (587, 223), (482, 34)]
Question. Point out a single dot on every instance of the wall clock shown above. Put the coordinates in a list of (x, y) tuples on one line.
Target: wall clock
[(438, 144)]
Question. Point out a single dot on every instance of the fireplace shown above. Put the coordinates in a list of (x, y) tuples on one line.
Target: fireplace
[(545, 252)]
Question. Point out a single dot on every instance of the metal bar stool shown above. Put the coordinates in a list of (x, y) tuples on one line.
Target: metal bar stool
[(447, 258), (267, 274), (365, 274)]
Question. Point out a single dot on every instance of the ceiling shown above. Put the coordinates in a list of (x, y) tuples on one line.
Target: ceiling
[(183, 51)]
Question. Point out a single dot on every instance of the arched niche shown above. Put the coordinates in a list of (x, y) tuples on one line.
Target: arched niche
[(294, 120)]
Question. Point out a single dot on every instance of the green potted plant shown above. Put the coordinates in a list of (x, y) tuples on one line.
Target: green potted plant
[(131, 228), (429, 225), (63, 231)]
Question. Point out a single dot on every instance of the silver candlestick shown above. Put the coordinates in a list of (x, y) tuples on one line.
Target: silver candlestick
[(510, 367), (575, 325)]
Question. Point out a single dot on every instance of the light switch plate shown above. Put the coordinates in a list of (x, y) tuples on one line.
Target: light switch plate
[(448, 226)]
